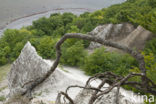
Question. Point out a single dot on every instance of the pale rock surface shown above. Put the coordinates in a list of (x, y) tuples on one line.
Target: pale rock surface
[(112, 32), (29, 66), (125, 97), (4, 91), (124, 34), (138, 38)]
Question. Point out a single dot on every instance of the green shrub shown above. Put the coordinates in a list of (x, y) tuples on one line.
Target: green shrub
[(2, 98), (137, 12), (46, 47), (150, 64), (150, 47), (11, 44), (73, 52), (101, 61)]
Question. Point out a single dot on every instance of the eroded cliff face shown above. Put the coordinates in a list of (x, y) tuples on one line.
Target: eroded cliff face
[(137, 38), (124, 34), (26, 69), (29, 66)]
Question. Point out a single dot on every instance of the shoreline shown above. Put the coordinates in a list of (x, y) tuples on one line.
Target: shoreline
[(43, 12)]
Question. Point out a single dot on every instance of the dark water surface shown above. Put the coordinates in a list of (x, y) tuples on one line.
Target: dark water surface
[(12, 9)]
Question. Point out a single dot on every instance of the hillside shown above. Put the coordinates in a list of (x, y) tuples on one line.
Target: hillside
[(130, 24), (28, 67), (135, 12)]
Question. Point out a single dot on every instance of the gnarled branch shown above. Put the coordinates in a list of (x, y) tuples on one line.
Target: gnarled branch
[(118, 80)]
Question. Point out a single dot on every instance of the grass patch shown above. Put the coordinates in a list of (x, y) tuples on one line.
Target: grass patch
[(2, 98), (4, 70), (3, 88), (61, 67)]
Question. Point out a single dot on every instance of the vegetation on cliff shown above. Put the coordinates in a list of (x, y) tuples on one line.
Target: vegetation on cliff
[(45, 32)]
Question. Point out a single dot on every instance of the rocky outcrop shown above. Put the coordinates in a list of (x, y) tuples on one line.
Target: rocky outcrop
[(124, 34), (138, 38), (84, 96), (29, 66), (26, 69)]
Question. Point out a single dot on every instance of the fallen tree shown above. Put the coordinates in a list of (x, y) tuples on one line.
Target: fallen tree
[(146, 85)]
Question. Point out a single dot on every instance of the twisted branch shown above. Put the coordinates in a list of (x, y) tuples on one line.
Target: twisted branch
[(146, 84)]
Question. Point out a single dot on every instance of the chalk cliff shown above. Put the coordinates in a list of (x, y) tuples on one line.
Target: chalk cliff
[(29, 66), (124, 34)]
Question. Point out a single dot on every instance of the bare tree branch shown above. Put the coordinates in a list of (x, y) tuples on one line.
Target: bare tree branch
[(114, 80)]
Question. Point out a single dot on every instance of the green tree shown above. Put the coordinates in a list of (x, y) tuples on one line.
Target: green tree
[(68, 18), (150, 47), (43, 26), (73, 52), (101, 61), (46, 47), (152, 3), (17, 50)]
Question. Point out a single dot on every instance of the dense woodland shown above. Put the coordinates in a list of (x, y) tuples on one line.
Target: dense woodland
[(45, 32)]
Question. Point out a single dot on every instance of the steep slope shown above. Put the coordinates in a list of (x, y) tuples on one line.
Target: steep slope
[(29, 66), (138, 38), (124, 34)]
